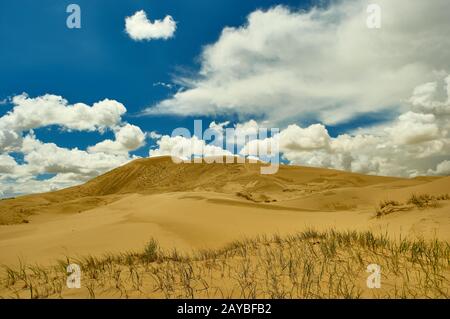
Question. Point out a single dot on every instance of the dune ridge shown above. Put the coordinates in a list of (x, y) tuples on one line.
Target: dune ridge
[(161, 175), (204, 206)]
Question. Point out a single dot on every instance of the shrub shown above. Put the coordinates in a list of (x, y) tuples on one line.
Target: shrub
[(387, 203), (422, 200), (443, 197), (150, 253), (386, 207)]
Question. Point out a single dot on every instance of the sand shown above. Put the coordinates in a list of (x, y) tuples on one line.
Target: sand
[(192, 206)]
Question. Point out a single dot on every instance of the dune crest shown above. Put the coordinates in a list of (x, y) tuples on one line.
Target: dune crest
[(161, 175), (197, 206)]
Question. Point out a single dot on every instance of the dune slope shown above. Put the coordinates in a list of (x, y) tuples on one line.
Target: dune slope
[(197, 206), (162, 175)]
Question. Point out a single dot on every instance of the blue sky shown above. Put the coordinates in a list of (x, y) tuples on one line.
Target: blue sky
[(345, 94), (100, 60)]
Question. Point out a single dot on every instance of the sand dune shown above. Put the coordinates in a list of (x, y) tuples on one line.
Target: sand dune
[(161, 175), (190, 206)]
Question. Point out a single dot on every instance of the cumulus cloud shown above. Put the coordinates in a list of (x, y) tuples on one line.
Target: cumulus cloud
[(68, 167), (322, 64), (128, 138), (415, 143), (212, 143), (413, 128), (433, 96), (30, 113), (64, 167), (185, 148), (367, 154), (442, 168), (9, 140), (139, 27), (63, 160), (7, 164), (295, 138)]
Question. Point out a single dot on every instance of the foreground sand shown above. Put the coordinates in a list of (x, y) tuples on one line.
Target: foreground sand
[(197, 206), (309, 264)]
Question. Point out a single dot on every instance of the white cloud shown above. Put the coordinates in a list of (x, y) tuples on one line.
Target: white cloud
[(304, 139), (442, 168), (165, 85), (128, 138), (154, 135), (7, 164), (323, 64), (49, 158), (261, 149), (184, 148), (245, 130), (423, 94), (413, 128), (9, 140), (429, 97), (30, 113), (411, 145), (409, 154), (139, 27), (68, 166)]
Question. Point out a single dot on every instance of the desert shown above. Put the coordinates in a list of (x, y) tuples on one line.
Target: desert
[(190, 208), (282, 150)]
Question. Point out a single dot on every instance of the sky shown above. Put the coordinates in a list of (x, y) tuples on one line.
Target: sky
[(77, 102)]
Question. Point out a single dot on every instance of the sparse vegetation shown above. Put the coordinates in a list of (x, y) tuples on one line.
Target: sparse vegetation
[(390, 206), (151, 251), (310, 264), (443, 197), (387, 203), (420, 201), (423, 200), (255, 197)]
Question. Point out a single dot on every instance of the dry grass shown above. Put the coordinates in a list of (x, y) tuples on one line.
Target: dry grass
[(420, 201), (425, 200), (307, 265)]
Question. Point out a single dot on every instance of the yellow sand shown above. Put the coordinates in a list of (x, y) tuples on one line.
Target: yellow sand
[(191, 206)]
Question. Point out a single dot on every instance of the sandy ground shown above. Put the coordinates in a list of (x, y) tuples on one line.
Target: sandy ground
[(197, 215), (188, 221)]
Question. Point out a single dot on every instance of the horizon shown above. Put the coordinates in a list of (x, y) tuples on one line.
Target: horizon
[(220, 153), (91, 90)]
